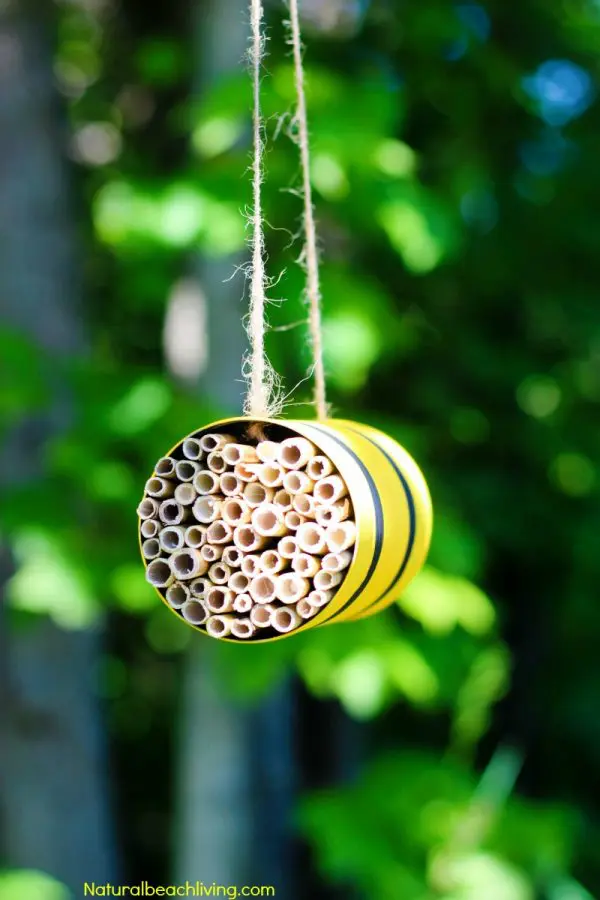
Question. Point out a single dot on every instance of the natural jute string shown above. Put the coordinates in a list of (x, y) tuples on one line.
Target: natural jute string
[(262, 399)]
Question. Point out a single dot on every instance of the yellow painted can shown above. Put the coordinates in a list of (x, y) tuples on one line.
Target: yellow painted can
[(392, 510)]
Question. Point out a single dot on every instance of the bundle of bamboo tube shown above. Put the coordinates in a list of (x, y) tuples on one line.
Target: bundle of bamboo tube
[(241, 535)]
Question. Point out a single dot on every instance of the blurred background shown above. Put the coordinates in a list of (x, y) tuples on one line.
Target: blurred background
[(448, 749)]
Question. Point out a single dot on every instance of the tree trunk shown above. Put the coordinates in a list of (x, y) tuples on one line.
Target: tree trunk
[(53, 785)]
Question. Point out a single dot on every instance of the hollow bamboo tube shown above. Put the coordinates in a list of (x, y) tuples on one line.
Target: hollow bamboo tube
[(159, 573), (272, 562), (191, 449), (194, 612), (148, 508), (261, 615), (251, 565), (337, 562), (329, 490), (231, 485), (243, 603), (219, 599), (236, 512), (207, 509), (236, 453), (211, 442), (187, 469), (219, 573), (243, 629), (285, 619), (267, 451), (172, 513), (177, 595), (187, 564), (160, 488), (172, 538), (211, 552), (219, 532), (185, 494), (291, 587), (195, 536), (293, 520), (335, 512), (267, 520), (325, 581), (216, 463), (304, 504), (165, 467), (270, 474), (306, 565), (150, 528), (287, 547), (305, 610), (295, 452), (263, 588), (283, 500), (298, 483), (246, 472), (219, 626), (151, 548), (319, 467), (206, 482), (255, 494), (248, 539), (232, 556), (199, 587), (318, 599), (311, 538), (341, 536), (239, 583)]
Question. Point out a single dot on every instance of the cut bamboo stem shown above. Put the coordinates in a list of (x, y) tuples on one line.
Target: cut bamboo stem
[(194, 612), (267, 451), (185, 494), (187, 470), (335, 512), (248, 539), (263, 589), (267, 521), (187, 564), (231, 485), (330, 489), (337, 562), (171, 512), (219, 533), (341, 536), (216, 463), (272, 562), (172, 538), (318, 599), (160, 488), (236, 512), (319, 467), (261, 615), (325, 581), (270, 474), (283, 500), (207, 482), (177, 595), (305, 610), (219, 573), (199, 587), (207, 509), (219, 626), (285, 619), (159, 573), (288, 547), (311, 538), (165, 467), (305, 505), (291, 587), (251, 565), (255, 494), (306, 565), (295, 452), (151, 548), (219, 599), (212, 442), (195, 536), (293, 520), (298, 483), (243, 629), (150, 528), (246, 472), (211, 552), (232, 556), (191, 449), (236, 453), (148, 508), (239, 583), (243, 603)]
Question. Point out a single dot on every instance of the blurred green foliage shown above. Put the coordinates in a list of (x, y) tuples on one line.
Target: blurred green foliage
[(455, 169)]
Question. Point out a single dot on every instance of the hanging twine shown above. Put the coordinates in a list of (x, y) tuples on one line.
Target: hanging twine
[(262, 395), (313, 288), (263, 399)]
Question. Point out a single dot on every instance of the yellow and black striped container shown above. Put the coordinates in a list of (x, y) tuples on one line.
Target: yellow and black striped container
[(392, 510)]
